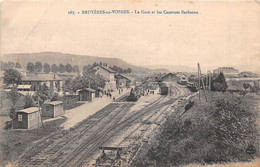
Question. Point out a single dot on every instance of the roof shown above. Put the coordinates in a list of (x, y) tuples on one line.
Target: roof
[(105, 68), (226, 69), (165, 75), (54, 103), (42, 77), (24, 86), (88, 89), (29, 110), (127, 77)]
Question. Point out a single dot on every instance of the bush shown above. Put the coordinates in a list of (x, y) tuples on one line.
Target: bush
[(223, 130), (219, 83)]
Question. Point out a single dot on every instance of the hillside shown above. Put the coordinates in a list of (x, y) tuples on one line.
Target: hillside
[(171, 68), (64, 58)]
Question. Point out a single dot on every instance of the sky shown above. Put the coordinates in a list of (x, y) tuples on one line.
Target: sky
[(223, 33)]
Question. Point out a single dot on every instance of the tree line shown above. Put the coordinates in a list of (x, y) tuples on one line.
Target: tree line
[(38, 67), (9, 64)]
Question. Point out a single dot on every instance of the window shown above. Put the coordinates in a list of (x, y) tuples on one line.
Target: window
[(47, 108), (20, 117)]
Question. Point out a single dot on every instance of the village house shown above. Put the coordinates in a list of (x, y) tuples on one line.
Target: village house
[(108, 74), (53, 109), (124, 80), (228, 71), (170, 77), (53, 81), (27, 118)]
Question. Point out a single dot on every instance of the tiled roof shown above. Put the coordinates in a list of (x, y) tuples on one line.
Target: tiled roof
[(42, 77), (127, 77), (29, 110), (54, 103), (105, 68)]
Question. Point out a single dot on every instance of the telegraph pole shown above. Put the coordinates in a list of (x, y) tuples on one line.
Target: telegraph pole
[(209, 81), (199, 79), (204, 88), (199, 71)]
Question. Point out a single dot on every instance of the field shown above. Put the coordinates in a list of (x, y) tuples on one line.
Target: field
[(225, 129), (14, 145)]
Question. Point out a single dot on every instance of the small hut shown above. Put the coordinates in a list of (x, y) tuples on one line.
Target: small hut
[(27, 118), (86, 94), (53, 109)]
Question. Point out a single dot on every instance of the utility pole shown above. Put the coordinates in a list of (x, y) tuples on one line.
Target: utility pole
[(199, 79), (40, 112), (207, 78), (209, 81), (199, 73)]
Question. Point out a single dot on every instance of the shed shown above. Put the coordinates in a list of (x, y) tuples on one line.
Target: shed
[(53, 109), (27, 118), (86, 94)]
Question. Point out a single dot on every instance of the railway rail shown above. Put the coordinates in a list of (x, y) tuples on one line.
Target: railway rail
[(61, 143), (99, 139)]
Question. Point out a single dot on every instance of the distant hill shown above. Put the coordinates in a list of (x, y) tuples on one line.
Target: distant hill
[(171, 68), (64, 58)]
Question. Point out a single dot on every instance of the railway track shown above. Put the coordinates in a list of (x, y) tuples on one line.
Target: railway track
[(60, 144), (80, 156), (153, 118), (92, 140)]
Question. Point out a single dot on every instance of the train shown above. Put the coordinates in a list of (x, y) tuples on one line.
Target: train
[(136, 93), (192, 86)]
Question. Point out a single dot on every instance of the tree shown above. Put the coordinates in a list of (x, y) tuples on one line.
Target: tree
[(11, 64), (68, 68), (18, 65), (30, 67), (54, 68), (246, 86), (61, 68), (77, 84), (255, 88), (38, 66), (43, 93), (12, 76), (90, 78), (76, 69), (13, 96), (85, 68), (67, 86), (129, 70), (219, 83), (28, 99), (46, 68)]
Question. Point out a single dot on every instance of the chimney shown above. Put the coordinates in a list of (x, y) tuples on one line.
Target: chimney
[(54, 76)]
